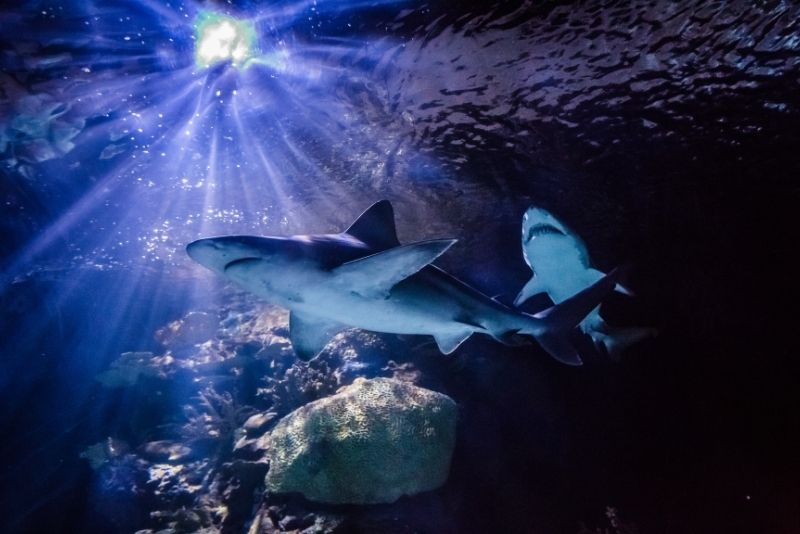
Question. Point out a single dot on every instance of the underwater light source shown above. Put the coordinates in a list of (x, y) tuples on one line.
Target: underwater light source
[(223, 38)]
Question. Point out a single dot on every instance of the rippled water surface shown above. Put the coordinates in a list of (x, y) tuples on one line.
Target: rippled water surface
[(665, 133)]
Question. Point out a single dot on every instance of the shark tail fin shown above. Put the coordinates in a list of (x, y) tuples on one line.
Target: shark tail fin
[(553, 326)]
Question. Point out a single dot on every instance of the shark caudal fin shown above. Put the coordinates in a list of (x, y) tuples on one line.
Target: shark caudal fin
[(552, 327)]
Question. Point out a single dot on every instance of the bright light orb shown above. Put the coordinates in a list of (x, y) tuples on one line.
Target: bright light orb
[(222, 38)]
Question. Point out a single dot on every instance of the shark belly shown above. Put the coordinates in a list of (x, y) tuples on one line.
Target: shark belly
[(413, 306), (428, 302)]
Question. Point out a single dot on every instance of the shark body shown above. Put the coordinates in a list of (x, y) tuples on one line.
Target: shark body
[(364, 278), (562, 268)]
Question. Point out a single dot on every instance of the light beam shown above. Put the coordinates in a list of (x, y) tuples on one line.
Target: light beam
[(221, 38)]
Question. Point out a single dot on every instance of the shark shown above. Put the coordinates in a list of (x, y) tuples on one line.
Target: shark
[(365, 278), (562, 268)]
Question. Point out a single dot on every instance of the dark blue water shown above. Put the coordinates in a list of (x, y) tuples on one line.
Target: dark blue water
[(664, 133)]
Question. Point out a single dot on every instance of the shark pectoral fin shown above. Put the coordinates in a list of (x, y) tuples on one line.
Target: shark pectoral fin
[(619, 288), (558, 345), (375, 226), (567, 314), (309, 335), (375, 275), (593, 275), (533, 287), (451, 341)]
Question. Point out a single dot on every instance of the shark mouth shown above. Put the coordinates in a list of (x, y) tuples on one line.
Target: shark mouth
[(240, 261), (542, 229)]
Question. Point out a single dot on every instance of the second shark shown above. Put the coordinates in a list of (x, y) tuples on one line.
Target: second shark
[(562, 268)]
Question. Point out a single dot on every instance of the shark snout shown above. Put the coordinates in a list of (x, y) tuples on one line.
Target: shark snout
[(219, 253), (196, 248), (208, 253)]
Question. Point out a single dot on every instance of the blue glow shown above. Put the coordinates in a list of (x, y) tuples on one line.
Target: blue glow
[(136, 150), (184, 146)]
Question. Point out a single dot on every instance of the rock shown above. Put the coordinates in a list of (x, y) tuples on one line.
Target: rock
[(372, 442)]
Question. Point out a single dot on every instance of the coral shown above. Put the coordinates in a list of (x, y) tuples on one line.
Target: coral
[(177, 484), (372, 442), (193, 328), (230, 492), (349, 355), (215, 419), (300, 384), (271, 519), (405, 371), (201, 466)]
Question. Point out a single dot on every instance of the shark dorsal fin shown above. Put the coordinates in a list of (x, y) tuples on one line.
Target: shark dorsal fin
[(375, 226)]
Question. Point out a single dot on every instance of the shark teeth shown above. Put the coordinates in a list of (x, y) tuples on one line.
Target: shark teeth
[(542, 229)]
